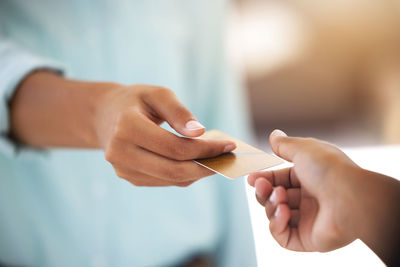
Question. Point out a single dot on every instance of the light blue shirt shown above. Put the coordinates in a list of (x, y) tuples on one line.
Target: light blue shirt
[(67, 207)]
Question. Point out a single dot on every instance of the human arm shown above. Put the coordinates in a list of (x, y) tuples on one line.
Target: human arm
[(326, 201), (48, 110)]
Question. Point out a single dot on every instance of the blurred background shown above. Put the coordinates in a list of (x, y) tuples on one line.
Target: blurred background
[(328, 69)]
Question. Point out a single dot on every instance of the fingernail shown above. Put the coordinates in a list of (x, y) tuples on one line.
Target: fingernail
[(277, 211), (194, 125), (229, 148), (278, 132), (272, 198)]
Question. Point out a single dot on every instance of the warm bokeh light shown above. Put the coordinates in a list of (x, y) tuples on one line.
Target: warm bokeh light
[(262, 37), (321, 67)]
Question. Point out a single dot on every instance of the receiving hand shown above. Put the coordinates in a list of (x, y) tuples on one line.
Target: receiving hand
[(307, 204)]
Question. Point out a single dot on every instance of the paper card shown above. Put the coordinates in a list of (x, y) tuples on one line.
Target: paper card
[(241, 161)]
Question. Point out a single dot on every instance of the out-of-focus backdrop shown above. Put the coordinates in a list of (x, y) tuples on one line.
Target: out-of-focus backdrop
[(330, 69), (327, 69)]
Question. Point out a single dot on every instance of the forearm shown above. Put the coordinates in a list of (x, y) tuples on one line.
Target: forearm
[(378, 217), (50, 111)]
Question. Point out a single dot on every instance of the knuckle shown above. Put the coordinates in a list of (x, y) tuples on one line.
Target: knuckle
[(129, 177), (110, 154), (126, 125), (180, 172), (121, 174), (118, 130), (212, 150), (168, 173), (180, 152), (282, 244), (279, 147), (137, 183), (165, 172), (173, 172), (162, 91), (185, 184)]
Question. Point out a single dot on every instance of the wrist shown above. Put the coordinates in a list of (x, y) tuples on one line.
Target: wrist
[(356, 208), (365, 199), (377, 216), (87, 98), (49, 110), (100, 97), (346, 206), (103, 110)]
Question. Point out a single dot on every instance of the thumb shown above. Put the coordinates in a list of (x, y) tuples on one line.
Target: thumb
[(167, 106), (284, 146)]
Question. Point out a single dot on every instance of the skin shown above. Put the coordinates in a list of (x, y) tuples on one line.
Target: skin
[(51, 111), (325, 201)]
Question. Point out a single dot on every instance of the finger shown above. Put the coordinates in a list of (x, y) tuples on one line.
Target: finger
[(278, 196), (295, 243), (251, 179), (293, 179), (139, 159), (140, 179), (286, 236), (279, 224), (283, 177), (294, 217), (263, 190), (166, 105), (268, 175), (284, 146), (294, 197), (137, 129)]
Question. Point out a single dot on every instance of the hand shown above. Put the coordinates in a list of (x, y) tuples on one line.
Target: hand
[(127, 125), (51, 111), (308, 204)]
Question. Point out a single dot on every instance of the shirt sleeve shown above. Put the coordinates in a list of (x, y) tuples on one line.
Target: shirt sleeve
[(15, 65)]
